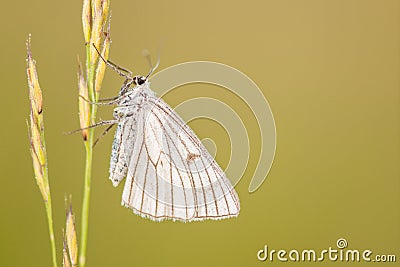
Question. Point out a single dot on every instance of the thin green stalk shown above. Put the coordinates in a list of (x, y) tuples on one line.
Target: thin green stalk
[(94, 17), (49, 214), (88, 165), (49, 209), (86, 199)]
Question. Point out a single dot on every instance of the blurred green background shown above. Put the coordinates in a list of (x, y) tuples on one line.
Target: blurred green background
[(330, 71)]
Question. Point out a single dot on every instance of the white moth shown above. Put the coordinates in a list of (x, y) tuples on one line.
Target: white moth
[(169, 173)]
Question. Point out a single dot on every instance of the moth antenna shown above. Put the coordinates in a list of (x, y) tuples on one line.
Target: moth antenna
[(118, 69), (147, 55)]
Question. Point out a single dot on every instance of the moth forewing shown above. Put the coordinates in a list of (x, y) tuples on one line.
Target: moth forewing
[(170, 174)]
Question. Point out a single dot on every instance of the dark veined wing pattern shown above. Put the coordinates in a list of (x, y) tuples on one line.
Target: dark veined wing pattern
[(170, 173)]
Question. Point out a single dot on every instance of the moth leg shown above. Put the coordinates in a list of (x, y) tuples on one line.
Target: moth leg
[(101, 123), (103, 134), (102, 102), (108, 99)]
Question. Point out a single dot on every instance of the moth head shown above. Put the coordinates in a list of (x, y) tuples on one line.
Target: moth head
[(130, 83), (139, 80)]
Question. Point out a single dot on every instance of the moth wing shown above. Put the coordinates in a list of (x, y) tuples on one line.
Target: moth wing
[(171, 175)]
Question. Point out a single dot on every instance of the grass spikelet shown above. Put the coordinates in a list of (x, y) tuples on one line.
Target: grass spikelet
[(84, 106), (101, 66), (66, 259), (86, 20), (37, 142), (70, 236)]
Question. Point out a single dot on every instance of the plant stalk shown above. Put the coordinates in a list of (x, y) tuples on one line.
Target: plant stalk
[(86, 199), (49, 214), (88, 163)]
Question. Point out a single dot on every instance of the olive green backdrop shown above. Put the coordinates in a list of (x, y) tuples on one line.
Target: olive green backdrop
[(330, 71)]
